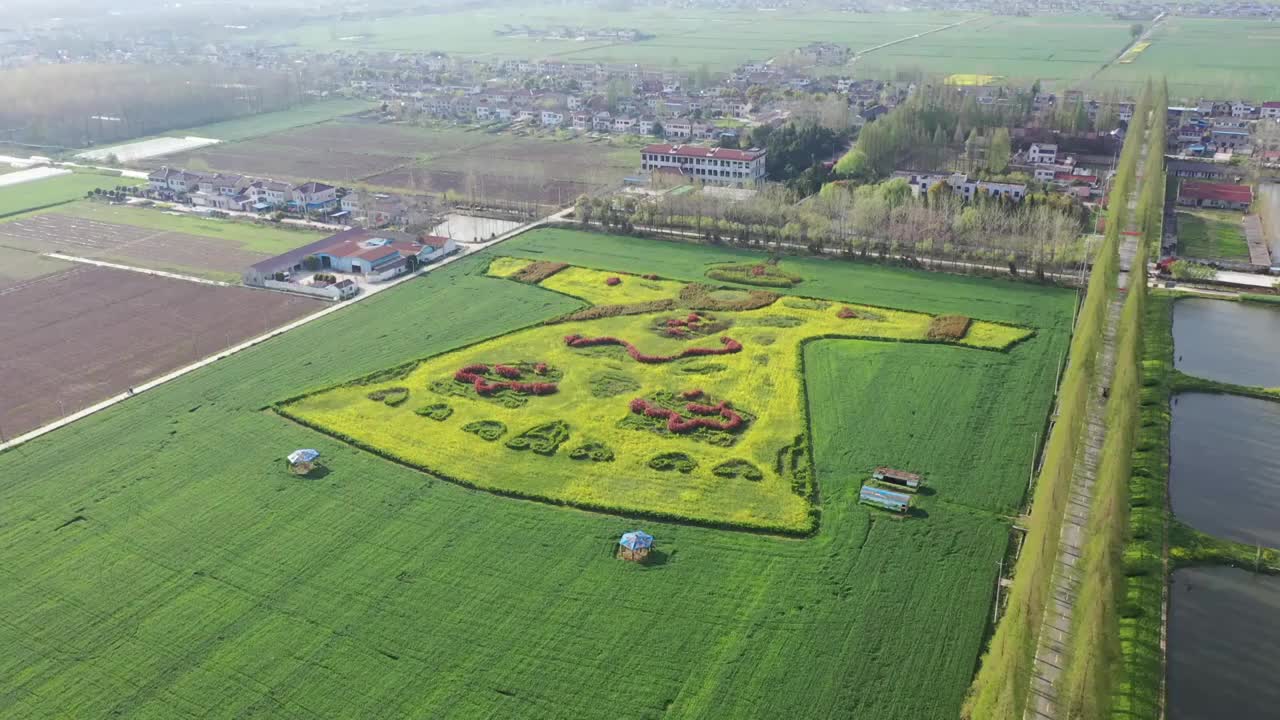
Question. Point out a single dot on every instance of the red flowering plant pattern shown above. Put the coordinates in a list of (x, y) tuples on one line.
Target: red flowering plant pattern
[(728, 347), (510, 384), (676, 413), (613, 280)]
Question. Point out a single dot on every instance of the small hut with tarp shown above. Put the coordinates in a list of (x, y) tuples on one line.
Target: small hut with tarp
[(635, 545), (302, 461)]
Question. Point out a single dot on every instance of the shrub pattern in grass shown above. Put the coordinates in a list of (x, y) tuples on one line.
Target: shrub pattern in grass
[(436, 411), (763, 274), (509, 384), (392, 396), (738, 468), (542, 439), (673, 461), (489, 430), (759, 372), (690, 414), (593, 451)]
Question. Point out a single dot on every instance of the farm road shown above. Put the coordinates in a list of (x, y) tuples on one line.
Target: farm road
[(227, 352), (1056, 626)]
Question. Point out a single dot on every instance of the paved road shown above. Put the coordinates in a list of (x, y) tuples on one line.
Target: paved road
[(337, 307)]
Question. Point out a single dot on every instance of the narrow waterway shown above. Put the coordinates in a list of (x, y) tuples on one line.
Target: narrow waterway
[(1224, 473), (1224, 631), (1235, 342)]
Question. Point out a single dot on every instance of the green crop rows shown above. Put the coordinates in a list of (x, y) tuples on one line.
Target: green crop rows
[(157, 560)]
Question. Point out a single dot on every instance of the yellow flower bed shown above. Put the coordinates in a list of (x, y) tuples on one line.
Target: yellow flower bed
[(763, 379), (504, 267)]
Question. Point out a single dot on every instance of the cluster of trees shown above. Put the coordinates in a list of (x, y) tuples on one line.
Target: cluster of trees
[(106, 103), (882, 219), (929, 130), (797, 151)]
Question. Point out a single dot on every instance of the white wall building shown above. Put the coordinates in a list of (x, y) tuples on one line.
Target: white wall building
[(719, 166)]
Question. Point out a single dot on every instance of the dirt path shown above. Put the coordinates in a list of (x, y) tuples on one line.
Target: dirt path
[(1268, 206)]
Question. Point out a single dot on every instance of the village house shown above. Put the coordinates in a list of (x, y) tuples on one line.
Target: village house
[(314, 197), (1193, 170), (717, 166), (269, 194), (1042, 153), (174, 180), (963, 186), (1270, 109)]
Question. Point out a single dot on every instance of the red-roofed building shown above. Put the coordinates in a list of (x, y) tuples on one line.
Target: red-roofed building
[(1270, 110), (717, 166), (1215, 195)]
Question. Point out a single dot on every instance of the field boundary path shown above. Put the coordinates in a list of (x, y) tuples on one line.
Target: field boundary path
[(134, 268), (227, 352), (1055, 627), (859, 53)]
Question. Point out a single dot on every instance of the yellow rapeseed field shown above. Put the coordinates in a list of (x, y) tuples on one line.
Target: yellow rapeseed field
[(595, 389)]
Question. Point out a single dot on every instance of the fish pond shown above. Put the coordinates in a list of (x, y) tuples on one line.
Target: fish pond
[(1234, 342), (1225, 466), (1224, 627)]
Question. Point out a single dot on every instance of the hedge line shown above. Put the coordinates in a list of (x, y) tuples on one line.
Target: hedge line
[(1002, 685)]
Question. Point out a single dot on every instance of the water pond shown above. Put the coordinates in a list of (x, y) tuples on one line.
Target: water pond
[(1235, 342), (1224, 473), (469, 228), (1224, 628)]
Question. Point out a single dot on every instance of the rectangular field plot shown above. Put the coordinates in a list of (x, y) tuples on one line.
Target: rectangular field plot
[(1205, 57), (58, 190), (144, 149), (76, 337), (219, 249), (427, 160), (166, 564)]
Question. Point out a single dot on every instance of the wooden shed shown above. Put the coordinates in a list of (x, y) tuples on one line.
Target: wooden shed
[(900, 478)]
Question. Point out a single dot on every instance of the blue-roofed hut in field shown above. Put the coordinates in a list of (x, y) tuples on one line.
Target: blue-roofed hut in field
[(885, 499), (302, 461), (635, 545)]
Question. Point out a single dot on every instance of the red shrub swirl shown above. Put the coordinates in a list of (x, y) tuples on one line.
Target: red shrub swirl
[(650, 276), (846, 313), (611, 281), (730, 346), (540, 368), (758, 270), (680, 425), (506, 371), (474, 374), (693, 394)]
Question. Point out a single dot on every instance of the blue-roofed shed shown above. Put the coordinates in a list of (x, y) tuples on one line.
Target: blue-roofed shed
[(636, 545), (886, 499), (302, 461)]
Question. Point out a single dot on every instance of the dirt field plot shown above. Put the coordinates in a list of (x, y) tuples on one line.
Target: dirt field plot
[(483, 185), (426, 160), (76, 337), (128, 244)]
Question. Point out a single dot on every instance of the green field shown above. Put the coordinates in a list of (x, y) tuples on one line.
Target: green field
[(267, 123), (156, 560), (239, 234), (19, 265), (20, 198), (1212, 234), (1206, 58)]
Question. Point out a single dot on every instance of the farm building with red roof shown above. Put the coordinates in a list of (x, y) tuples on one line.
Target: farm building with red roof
[(1215, 195), (717, 166)]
